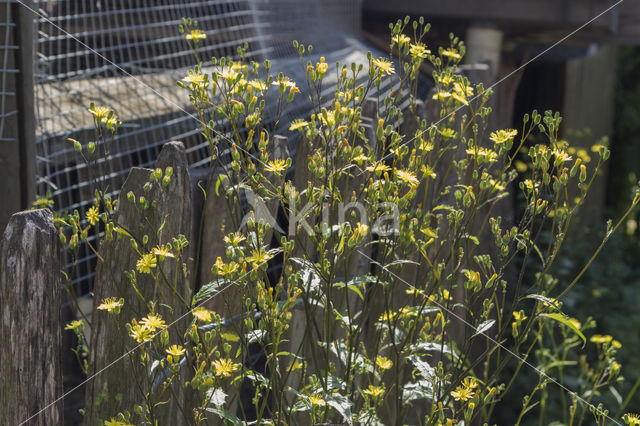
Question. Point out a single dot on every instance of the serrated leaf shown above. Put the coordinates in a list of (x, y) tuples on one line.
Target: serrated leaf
[(564, 320), (209, 290), (341, 404), (216, 397)]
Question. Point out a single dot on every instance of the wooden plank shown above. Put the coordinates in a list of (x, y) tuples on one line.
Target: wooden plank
[(30, 326)]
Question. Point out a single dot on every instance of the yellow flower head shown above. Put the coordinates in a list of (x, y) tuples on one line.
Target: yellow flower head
[(162, 252), (153, 321), (374, 391), (276, 166), (75, 325), (195, 35), (234, 239), (384, 65), (92, 215), (140, 333), (202, 314), (384, 363), (400, 39), (195, 79), (322, 66), (224, 367), (146, 263), (462, 393), (632, 419), (116, 422), (419, 50), (503, 136), (111, 305), (174, 352), (407, 177), (298, 124), (451, 54), (316, 400), (378, 168)]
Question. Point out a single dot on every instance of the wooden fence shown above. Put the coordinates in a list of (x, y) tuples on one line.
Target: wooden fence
[(30, 291)]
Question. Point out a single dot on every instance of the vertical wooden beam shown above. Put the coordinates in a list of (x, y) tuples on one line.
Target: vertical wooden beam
[(30, 321)]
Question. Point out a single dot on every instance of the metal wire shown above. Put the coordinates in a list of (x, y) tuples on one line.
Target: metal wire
[(142, 38)]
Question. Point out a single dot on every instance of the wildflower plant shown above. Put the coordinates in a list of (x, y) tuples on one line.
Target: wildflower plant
[(408, 306)]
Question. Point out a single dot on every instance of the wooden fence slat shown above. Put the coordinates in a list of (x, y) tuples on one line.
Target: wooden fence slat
[(30, 328), (116, 389)]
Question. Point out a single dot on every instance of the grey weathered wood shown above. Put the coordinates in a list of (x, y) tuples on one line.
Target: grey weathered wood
[(30, 329), (108, 332)]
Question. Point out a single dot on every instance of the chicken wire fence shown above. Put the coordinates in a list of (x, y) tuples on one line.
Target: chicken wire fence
[(128, 55), (8, 71)]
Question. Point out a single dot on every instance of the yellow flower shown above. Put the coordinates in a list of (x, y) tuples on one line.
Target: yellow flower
[(441, 95), (378, 168), (225, 269), (92, 215), (258, 257), (162, 252), (400, 39), (202, 314), (111, 305), (116, 422), (153, 321), (519, 316), (146, 263), (317, 400), (384, 363), (174, 352), (322, 66), (427, 171), (99, 112), (234, 239), (228, 74), (224, 367), (298, 124), (258, 85), (451, 53), (470, 383), (616, 344), (276, 166), (419, 50), (229, 337), (600, 339), (384, 65), (484, 155), (374, 391), (631, 419), (575, 323), (140, 333), (408, 177), (195, 79), (448, 133), (503, 136), (195, 35), (462, 393), (75, 325)]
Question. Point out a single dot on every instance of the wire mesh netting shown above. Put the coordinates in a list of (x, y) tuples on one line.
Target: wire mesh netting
[(8, 72), (128, 55)]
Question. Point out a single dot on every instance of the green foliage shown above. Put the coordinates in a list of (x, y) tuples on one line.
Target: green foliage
[(413, 316)]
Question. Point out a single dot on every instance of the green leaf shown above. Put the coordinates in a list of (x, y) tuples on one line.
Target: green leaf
[(216, 397), (544, 300), (209, 290), (341, 404), (564, 320), (486, 325)]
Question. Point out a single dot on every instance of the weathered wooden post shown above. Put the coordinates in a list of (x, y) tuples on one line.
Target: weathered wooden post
[(30, 302), (116, 389)]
